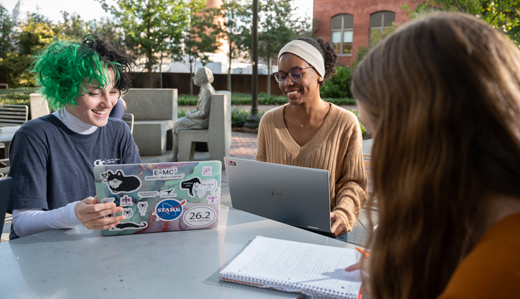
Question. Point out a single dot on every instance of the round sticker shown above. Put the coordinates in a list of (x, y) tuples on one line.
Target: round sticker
[(168, 209), (200, 216)]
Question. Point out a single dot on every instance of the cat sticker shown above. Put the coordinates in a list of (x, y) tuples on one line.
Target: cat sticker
[(119, 183), (201, 186)]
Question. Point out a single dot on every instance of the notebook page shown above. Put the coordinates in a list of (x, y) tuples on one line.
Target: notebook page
[(295, 263)]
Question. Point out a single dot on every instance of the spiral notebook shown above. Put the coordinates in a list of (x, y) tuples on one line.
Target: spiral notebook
[(313, 270)]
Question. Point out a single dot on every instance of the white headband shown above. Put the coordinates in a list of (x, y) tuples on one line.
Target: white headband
[(306, 52)]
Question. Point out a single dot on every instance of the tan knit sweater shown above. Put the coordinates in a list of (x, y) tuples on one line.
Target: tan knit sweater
[(336, 147)]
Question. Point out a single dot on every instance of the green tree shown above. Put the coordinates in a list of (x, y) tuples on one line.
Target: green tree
[(150, 26), (6, 28), (202, 35), (35, 33), (72, 27), (277, 27), (237, 17), (503, 15)]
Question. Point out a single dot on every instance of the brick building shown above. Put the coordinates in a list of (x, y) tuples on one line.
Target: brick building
[(348, 24)]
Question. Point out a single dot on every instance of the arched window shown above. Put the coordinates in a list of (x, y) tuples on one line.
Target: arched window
[(379, 21), (342, 33)]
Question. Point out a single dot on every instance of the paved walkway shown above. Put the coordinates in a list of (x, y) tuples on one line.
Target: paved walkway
[(243, 145)]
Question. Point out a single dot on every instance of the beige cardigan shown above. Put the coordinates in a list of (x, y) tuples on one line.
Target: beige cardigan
[(336, 147)]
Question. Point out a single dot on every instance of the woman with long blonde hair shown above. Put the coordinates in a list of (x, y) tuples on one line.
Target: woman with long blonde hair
[(441, 96)]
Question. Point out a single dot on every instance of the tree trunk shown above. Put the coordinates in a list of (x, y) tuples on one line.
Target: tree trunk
[(269, 76), (150, 78), (191, 74), (229, 68), (160, 72)]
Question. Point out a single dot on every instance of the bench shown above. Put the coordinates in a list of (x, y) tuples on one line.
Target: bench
[(218, 134), (155, 111)]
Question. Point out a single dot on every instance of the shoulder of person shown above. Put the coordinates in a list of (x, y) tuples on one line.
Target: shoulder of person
[(344, 117), (491, 269), (273, 113), (38, 125)]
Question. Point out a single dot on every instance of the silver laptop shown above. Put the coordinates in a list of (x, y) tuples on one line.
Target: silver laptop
[(297, 196)]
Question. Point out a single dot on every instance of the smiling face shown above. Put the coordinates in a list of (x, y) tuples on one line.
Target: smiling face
[(303, 90), (95, 105)]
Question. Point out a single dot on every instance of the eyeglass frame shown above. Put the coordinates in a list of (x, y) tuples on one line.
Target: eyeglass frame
[(289, 72)]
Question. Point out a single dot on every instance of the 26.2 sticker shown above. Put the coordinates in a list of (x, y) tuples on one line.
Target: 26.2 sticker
[(199, 216)]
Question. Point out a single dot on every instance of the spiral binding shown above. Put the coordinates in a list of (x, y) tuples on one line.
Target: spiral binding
[(285, 286)]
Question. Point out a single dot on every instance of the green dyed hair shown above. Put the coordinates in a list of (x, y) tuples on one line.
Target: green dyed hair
[(62, 67)]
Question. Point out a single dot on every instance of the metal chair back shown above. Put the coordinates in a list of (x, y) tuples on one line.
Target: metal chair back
[(5, 194), (13, 115), (128, 118)]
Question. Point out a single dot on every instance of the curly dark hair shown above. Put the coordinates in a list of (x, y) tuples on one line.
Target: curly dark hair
[(61, 68), (328, 53), (114, 57)]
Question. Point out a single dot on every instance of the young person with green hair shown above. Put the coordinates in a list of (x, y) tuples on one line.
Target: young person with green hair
[(52, 157)]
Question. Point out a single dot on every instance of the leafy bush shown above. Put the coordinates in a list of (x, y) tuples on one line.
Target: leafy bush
[(16, 96), (363, 131), (339, 85), (263, 99), (238, 116)]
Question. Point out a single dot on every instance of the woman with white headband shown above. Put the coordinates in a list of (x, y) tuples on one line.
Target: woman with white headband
[(310, 132)]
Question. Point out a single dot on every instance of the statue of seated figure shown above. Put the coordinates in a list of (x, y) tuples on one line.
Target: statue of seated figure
[(197, 119)]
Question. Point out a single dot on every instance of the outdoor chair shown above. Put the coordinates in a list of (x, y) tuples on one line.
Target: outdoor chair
[(128, 118), (5, 194), (218, 134), (4, 168), (13, 115)]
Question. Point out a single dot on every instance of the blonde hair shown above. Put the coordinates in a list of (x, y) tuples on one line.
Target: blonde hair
[(443, 93)]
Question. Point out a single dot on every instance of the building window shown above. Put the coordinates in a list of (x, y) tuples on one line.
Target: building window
[(342, 33), (379, 21)]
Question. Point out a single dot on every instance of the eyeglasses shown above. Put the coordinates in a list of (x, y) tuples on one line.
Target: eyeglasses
[(295, 74)]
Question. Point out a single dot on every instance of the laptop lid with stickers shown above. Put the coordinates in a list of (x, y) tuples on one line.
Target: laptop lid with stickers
[(159, 197), (297, 196)]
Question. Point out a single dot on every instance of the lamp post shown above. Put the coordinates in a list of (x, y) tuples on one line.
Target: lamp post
[(251, 119)]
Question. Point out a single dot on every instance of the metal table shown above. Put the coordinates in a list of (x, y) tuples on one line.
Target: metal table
[(6, 135), (79, 263)]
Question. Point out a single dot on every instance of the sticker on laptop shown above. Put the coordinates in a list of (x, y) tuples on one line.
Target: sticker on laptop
[(129, 225), (200, 216), (119, 183), (142, 207), (207, 171), (201, 186), (162, 193), (232, 163), (126, 201), (165, 174), (168, 209), (212, 199), (108, 199), (128, 213)]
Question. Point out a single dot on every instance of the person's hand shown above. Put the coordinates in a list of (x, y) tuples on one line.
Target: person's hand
[(92, 214), (340, 224), (362, 264)]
